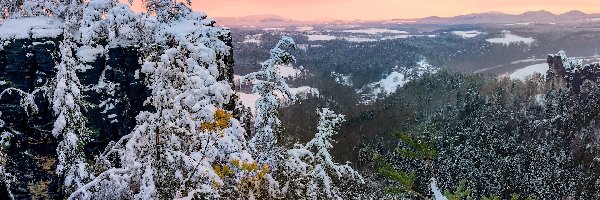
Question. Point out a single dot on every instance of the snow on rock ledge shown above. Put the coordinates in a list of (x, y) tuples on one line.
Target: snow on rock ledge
[(30, 27)]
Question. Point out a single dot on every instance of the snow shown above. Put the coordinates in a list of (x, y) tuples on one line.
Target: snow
[(304, 28), (359, 39), (390, 83), (88, 53), (405, 36), (36, 27), (255, 39), (273, 29), (467, 34), (320, 37), (288, 71), (342, 79), (303, 92), (374, 31), (510, 38), (524, 73), (395, 80)]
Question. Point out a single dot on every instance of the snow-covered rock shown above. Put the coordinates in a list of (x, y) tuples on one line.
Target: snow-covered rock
[(30, 27)]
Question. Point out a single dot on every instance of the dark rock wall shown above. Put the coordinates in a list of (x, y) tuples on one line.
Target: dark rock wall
[(28, 64)]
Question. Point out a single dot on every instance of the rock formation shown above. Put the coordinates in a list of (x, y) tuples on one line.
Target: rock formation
[(569, 72)]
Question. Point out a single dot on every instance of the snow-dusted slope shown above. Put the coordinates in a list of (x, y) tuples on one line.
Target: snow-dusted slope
[(398, 78)]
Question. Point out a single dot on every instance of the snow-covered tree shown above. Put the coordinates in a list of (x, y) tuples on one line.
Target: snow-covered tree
[(67, 102), (165, 10), (267, 82), (312, 173), (188, 144)]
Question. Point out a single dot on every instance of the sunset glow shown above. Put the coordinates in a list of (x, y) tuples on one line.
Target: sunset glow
[(383, 9)]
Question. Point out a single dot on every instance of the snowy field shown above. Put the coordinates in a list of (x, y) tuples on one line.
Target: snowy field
[(375, 31), (304, 28), (320, 37), (254, 39), (467, 34), (510, 38)]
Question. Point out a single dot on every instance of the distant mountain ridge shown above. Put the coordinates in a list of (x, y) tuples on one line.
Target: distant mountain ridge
[(540, 16)]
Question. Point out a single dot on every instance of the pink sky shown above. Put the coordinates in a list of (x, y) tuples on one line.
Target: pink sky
[(383, 9)]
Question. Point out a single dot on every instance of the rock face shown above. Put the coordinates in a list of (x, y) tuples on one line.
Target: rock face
[(28, 64), (569, 72)]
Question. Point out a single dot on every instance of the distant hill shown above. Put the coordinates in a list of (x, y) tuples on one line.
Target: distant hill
[(541, 16), (256, 20)]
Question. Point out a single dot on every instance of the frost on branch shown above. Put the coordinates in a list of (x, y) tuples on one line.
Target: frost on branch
[(267, 82), (312, 173)]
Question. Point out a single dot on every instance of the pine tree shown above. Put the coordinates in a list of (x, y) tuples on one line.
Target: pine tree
[(69, 126), (267, 82), (311, 171)]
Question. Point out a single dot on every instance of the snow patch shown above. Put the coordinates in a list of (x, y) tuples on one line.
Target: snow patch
[(255, 39), (273, 29), (405, 36), (342, 79), (320, 37), (36, 27), (510, 38), (395, 80), (467, 34), (304, 28), (374, 31), (88, 53), (389, 84), (303, 92), (289, 71), (359, 39)]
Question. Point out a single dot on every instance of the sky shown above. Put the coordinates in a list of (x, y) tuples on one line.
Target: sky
[(383, 9)]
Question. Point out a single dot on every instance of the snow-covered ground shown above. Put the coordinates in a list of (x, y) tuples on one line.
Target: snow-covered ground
[(510, 38), (304, 28), (359, 39), (375, 31), (255, 39), (320, 37), (37, 27), (342, 79), (289, 71), (273, 29), (362, 38), (467, 34), (405, 36), (524, 73), (303, 92), (389, 84), (395, 80)]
